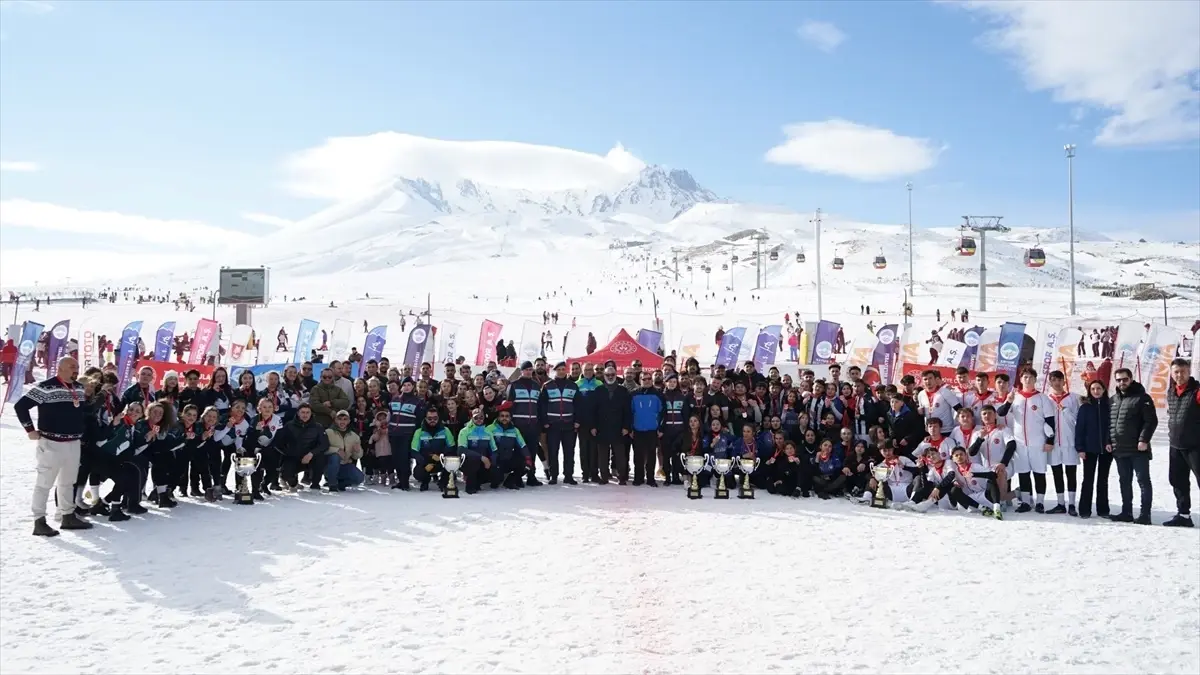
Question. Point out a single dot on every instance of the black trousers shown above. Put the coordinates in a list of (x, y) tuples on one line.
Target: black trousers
[(401, 456), (129, 479), (645, 456), (163, 468), (509, 467), (607, 450), (830, 485), (1182, 465), (960, 498), (1127, 466), (95, 466), (532, 436), (1095, 473), (587, 454), (290, 468), (560, 438)]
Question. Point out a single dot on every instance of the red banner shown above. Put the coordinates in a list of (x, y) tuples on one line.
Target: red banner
[(206, 331), (161, 368), (915, 369), (489, 333)]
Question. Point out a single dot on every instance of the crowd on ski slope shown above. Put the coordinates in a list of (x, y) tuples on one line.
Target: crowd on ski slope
[(955, 445)]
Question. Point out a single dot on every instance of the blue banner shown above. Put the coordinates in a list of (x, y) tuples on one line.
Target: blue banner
[(260, 372), (372, 349), (731, 344), (56, 347), (127, 355), (419, 341), (25, 349), (163, 341), (971, 339), (650, 339), (824, 342), (767, 347), (1008, 351), (305, 337)]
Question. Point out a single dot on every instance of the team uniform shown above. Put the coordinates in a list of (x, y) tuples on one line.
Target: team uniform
[(898, 486), (944, 445), (1032, 427), (992, 446), (961, 438), (975, 401), (940, 403), (1066, 412), (969, 486)]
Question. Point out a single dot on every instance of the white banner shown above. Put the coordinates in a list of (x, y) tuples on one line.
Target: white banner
[(339, 340), (531, 342), (952, 353), (447, 348), (1045, 350)]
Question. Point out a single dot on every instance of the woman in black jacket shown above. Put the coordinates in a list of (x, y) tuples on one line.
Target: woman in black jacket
[(1092, 430)]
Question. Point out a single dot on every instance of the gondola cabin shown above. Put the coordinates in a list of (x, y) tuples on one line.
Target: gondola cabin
[(689, 268), (1035, 257), (724, 266), (735, 259), (799, 257), (774, 256), (838, 263), (880, 262), (966, 245)]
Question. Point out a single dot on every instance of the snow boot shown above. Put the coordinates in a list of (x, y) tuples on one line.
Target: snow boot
[(42, 529), (1180, 520), (74, 522)]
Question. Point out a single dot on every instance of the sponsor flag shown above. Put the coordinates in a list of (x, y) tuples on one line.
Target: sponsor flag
[(306, 336), (418, 342), (88, 350), (489, 334), (448, 343), (373, 347), (1008, 350), (860, 351), (971, 339), (57, 345), (1160, 347), (883, 360), (239, 343), (339, 340), (823, 342), (952, 353), (746, 352), (206, 332), (650, 339), (731, 345), (26, 346), (531, 342), (127, 356), (163, 340), (767, 346), (986, 355), (1130, 336), (1046, 348)]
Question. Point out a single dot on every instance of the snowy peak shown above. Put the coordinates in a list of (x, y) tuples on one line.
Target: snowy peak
[(657, 193)]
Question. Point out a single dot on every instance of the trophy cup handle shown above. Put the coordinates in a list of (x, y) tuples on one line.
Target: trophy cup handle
[(258, 458)]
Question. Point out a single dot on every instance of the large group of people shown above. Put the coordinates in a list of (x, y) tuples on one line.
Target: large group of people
[(932, 444)]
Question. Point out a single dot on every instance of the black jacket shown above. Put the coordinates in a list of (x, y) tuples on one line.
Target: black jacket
[(1133, 420), (1183, 415), (612, 411), (296, 439)]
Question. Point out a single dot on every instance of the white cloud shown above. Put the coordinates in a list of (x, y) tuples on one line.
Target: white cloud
[(822, 35), (355, 166), (842, 148), (1139, 61), (19, 167), (179, 233), (31, 6), (266, 219)]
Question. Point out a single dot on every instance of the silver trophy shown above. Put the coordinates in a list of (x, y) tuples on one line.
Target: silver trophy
[(694, 464), (880, 473), (243, 483), (747, 466), (722, 466), (451, 463)]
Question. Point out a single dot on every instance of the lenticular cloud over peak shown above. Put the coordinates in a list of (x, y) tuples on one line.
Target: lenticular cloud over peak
[(348, 167)]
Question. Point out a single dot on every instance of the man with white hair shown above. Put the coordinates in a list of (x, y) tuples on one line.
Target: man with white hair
[(60, 425)]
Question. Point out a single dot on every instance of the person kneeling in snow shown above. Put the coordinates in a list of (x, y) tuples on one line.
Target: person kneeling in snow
[(971, 485), (898, 486), (431, 441), (512, 459), (476, 444), (303, 443), (340, 470), (939, 478), (784, 471)]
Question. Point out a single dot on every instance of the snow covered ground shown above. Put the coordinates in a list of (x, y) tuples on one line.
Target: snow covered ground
[(590, 579)]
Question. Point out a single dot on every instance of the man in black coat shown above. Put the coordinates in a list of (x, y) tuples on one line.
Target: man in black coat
[(1133, 424), (1183, 424), (611, 415)]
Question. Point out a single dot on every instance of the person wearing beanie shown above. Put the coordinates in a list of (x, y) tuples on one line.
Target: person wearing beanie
[(556, 414), (524, 393)]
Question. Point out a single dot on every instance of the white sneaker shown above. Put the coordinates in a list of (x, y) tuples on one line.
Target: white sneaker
[(922, 507)]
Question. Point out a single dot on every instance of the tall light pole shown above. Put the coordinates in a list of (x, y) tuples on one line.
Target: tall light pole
[(816, 221), (981, 225), (908, 186), (1070, 152)]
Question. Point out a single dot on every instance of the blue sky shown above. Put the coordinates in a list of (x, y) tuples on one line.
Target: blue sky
[(185, 112)]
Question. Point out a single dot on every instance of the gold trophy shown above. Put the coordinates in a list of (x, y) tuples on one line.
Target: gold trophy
[(880, 473)]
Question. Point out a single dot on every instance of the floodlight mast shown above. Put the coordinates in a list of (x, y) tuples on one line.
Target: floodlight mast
[(982, 225)]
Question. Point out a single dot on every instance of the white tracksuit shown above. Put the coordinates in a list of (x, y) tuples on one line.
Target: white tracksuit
[(1066, 412), (1032, 416), (940, 405)]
